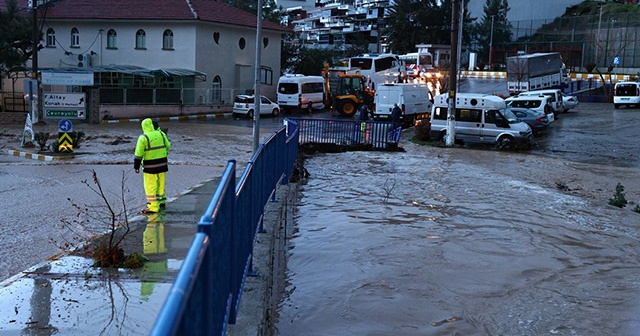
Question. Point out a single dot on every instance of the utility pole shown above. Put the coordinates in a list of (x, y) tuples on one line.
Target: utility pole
[(491, 44), (35, 36), (453, 71), (257, 97)]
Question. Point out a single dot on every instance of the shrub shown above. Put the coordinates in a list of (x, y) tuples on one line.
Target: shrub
[(618, 199), (422, 129)]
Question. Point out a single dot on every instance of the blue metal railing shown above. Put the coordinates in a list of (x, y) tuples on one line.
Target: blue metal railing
[(347, 132), (206, 293)]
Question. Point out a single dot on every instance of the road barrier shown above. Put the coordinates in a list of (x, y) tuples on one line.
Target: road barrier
[(206, 293), (380, 134)]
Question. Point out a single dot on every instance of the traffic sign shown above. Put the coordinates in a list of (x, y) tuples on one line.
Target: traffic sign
[(616, 60), (65, 126)]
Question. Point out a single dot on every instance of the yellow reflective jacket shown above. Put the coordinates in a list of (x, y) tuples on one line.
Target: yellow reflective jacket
[(152, 149)]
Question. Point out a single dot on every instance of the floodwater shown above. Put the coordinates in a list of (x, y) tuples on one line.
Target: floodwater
[(457, 241)]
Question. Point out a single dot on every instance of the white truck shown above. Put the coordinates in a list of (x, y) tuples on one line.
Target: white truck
[(413, 99), (534, 72)]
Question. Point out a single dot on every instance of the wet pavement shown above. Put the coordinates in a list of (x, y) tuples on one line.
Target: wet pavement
[(67, 296)]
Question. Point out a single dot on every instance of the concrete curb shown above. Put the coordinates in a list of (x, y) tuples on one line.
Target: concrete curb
[(176, 118), (34, 156)]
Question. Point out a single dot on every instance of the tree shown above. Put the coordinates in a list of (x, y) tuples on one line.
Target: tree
[(270, 9), (412, 22), (488, 35), (15, 37)]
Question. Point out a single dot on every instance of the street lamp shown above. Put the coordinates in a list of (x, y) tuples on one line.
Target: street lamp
[(491, 44), (600, 5)]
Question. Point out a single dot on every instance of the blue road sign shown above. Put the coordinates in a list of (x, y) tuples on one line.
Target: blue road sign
[(65, 126), (616, 60)]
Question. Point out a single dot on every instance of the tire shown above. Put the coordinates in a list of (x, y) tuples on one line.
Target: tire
[(443, 136), (347, 108), (616, 105), (250, 114), (505, 143), (275, 112)]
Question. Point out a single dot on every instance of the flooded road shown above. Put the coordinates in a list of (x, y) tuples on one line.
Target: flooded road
[(469, 241)]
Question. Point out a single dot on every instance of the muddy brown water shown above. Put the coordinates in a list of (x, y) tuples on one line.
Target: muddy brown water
[(470, 240)]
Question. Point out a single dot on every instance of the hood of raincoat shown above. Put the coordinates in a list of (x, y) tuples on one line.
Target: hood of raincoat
[(147, 125)]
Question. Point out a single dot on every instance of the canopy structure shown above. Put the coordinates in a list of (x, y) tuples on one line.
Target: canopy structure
[(135, 76)]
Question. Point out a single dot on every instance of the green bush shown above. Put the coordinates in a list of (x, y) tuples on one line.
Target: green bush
[(618, 199)]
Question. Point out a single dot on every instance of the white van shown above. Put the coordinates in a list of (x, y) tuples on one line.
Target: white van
[(480, 118), (413, 99), (301, 92), (626, 93), (555, 98)]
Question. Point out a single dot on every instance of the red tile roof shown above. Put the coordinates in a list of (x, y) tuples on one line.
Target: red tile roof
[(202, 10)]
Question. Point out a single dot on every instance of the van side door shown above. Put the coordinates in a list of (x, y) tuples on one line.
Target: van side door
[(468, 125), (493, 125)]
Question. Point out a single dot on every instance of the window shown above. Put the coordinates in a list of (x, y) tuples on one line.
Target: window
[(312, 87), (216, 91), (468, 115), (266, 76), (242, 43), (112, 37), (51, 37), (141, 39), (75, 37), (167, 40)]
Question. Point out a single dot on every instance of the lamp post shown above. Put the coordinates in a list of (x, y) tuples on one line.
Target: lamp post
[(491, 44), (257, 97), (600, 5)]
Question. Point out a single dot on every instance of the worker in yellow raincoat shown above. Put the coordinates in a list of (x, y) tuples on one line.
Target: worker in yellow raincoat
[(151, 153)]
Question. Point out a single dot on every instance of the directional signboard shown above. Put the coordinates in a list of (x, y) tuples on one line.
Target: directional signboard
[(65, 105), (65, 126)]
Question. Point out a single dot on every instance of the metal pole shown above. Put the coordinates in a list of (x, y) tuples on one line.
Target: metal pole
[(451, 116), (35, 111), (256, 95), (598, 35), (491, 44), (460, 43)]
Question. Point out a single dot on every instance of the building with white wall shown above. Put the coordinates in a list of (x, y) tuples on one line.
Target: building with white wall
[(202, 45)]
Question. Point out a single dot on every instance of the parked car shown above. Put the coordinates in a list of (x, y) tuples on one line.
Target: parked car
[(555, 98), (244, 104), (538, 121), (626, 93), (569, 101), (539, 103)]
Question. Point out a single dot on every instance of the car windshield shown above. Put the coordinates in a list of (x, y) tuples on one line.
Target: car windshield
[(511, 118)]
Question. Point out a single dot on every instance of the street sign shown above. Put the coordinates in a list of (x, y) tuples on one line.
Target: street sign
[(73, 114), (616, 60), (65, 126)]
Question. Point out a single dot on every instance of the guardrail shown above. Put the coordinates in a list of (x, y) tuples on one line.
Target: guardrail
[(347, 132), (206, 293)]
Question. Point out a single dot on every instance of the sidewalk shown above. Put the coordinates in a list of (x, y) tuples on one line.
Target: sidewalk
[(67, 296)]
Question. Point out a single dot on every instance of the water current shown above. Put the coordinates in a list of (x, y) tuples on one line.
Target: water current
[(426, 243)]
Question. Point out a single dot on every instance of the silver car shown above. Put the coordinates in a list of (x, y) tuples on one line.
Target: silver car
[(244, 104), (569, 101)]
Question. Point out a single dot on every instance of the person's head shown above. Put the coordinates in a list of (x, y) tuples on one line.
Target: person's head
[(147, 125), (155, 125)]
